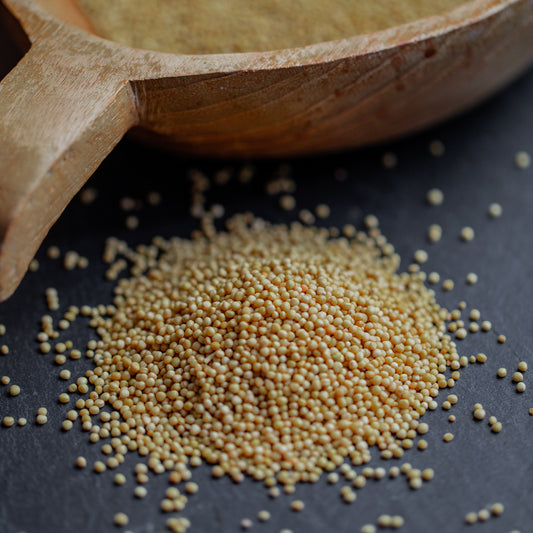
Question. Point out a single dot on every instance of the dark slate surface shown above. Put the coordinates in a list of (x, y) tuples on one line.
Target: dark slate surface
[(41, 490)]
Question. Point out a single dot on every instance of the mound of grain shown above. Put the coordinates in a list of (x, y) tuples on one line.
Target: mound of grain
[(266, 350)]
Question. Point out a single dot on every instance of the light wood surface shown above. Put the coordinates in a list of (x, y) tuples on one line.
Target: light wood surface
[(74, 95)]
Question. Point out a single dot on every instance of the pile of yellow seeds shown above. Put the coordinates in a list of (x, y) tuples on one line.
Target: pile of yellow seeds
[(273, 351)]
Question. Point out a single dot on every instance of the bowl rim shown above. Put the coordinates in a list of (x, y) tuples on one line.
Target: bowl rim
[(388, 40)]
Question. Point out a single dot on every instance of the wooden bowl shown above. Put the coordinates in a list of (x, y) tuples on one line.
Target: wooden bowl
[(74, 95)]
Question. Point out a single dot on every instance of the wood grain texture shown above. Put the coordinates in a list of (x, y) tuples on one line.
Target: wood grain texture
[(74, 95)]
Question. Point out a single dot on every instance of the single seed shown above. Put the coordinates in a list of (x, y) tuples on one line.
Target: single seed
[(246, 523), (520, 387), (384, 520), (41, 419), (434, 277), (502, 372), (263, 516), (66, 425), (495, 210), (45, 347), (448, 437), (131, 222), (486, 325), (518, 377), (53, 252), (479, 413), (14, 390), (451, 418), (447, 284), (287, 202), (368, 528), (481, 358), (467, 234), (397, 522), (483, 515), (140, 492), (8, 421), (522, 366), (81, 462), (471, 518), (297, 505), (421, 256), (434, 233), (522, 160), (22, 421), (121, 519), (191, 488), (389, 160), (422, 444), (322, 211), (497, 427), (435, 197), (99, 467), (64, 398), (502, 339), (497, 509), (120, 479), (471, 278)]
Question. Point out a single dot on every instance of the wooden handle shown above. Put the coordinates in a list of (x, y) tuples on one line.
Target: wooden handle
[(60, 115)]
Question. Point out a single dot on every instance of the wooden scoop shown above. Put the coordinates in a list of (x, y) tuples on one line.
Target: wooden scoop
[(74, 95)]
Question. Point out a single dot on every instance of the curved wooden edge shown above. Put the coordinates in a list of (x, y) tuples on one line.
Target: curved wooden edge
[(145, 64), (58, 121)]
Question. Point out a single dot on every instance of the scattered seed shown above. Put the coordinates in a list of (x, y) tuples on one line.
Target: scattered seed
[(471, 278), (502, 372), (495, 210), (435, 197), (297, 505), (389, 160), (8, 421), (467, 234), (434, 233), (121, 519), (522, 160)]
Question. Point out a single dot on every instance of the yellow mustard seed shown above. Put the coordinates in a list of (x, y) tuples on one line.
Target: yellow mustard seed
[(14, 390), (520, 387), (481, 358), (99, 466), (467, 234), (471, 518), (22, 421), (8, 421), (522, 366), (518, 377), (297, 505), (263, 516), (496, 427), (389, 160), (41, 419), (495, 210), (483, 515), (121, 519), (66, 425), (448, 285), (436, 148), (435, 197), (448, 437), (522, 160), (471, 278), (434, 233)]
